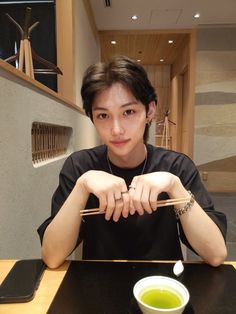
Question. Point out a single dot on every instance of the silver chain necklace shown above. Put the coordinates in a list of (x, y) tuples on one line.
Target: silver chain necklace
[(144, 166)]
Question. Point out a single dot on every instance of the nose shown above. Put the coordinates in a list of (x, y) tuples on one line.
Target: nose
[(117, 127)]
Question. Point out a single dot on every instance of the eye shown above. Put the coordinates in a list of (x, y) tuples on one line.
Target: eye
[(102, 116), (129, 112)]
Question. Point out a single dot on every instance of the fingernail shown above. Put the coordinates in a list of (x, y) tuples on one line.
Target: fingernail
[(132, 211)]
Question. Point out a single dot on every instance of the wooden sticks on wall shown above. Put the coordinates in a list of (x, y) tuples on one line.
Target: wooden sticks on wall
[(165, 137), (48, 141)]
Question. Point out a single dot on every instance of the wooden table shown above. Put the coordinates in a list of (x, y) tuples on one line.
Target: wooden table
[(47, 289)]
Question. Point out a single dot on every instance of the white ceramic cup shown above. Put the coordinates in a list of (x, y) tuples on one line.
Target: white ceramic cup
[(160, 282)]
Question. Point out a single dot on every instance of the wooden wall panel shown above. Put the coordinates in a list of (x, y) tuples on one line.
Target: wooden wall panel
[(65, 48)]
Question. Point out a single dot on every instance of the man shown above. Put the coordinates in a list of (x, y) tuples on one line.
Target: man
[(124, 177)]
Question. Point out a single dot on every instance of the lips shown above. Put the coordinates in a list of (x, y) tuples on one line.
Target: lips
[(119, 142)]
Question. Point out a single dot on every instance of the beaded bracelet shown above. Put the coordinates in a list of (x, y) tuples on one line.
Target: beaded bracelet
[(186, 208)]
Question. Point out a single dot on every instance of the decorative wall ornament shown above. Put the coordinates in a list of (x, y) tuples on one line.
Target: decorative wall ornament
[(25, 55), (164, 136)]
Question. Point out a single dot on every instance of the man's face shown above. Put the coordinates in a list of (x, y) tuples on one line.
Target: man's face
[(120, 120)]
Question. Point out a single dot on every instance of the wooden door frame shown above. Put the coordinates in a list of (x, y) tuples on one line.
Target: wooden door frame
[(183, 96)]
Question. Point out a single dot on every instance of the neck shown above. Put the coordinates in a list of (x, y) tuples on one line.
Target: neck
[(131, 160)]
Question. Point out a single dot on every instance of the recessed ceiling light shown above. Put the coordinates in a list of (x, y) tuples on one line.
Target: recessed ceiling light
[(170, 41), (134, 17), (113, 42), (161, 60), (196, 16)]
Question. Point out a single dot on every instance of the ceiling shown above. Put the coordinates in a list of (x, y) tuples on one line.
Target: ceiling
[(161, 14), (147, 48), (146, 38)]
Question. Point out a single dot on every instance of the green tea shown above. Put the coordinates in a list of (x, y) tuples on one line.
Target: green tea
[(161, 298)]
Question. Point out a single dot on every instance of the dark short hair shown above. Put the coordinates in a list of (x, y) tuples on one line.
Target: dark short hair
[(120, 69)]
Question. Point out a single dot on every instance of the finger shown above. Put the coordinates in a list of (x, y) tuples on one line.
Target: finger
[(131, 195), (126, 205), (145, 199), (153, 199), (102, 202), (117, 194), (118, 209), (137, 198), (131, 208), (120, 195), (111, 203)]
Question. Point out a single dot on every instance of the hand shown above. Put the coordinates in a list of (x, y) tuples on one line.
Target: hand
[(144, 190), (111, 191)]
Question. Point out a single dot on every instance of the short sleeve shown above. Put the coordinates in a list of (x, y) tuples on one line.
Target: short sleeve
[(67, 180)]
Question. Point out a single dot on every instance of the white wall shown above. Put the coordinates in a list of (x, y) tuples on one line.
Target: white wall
[(87, 50), (25, 191)]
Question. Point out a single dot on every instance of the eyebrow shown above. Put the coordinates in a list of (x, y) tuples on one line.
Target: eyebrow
[(135, 102)]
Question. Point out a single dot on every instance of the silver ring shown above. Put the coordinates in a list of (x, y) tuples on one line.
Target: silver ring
[(118, 199), (132, 187)]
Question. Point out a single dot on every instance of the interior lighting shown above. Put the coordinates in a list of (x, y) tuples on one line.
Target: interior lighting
[(134, 17), (196, 16), (113, 42), (170, 41), (161, 60)]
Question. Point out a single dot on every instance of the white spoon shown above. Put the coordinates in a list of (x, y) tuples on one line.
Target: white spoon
[(178, 268)]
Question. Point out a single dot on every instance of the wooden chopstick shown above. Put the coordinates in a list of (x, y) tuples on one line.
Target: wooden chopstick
[(92, 211), (173, 201), (161, 203)]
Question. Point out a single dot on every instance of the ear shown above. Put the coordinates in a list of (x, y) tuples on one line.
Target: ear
[(151, 111)]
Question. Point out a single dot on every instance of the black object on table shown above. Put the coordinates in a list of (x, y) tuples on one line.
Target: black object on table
[(107, 287)]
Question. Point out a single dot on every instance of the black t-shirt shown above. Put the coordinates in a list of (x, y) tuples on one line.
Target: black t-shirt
[(148, 237)]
